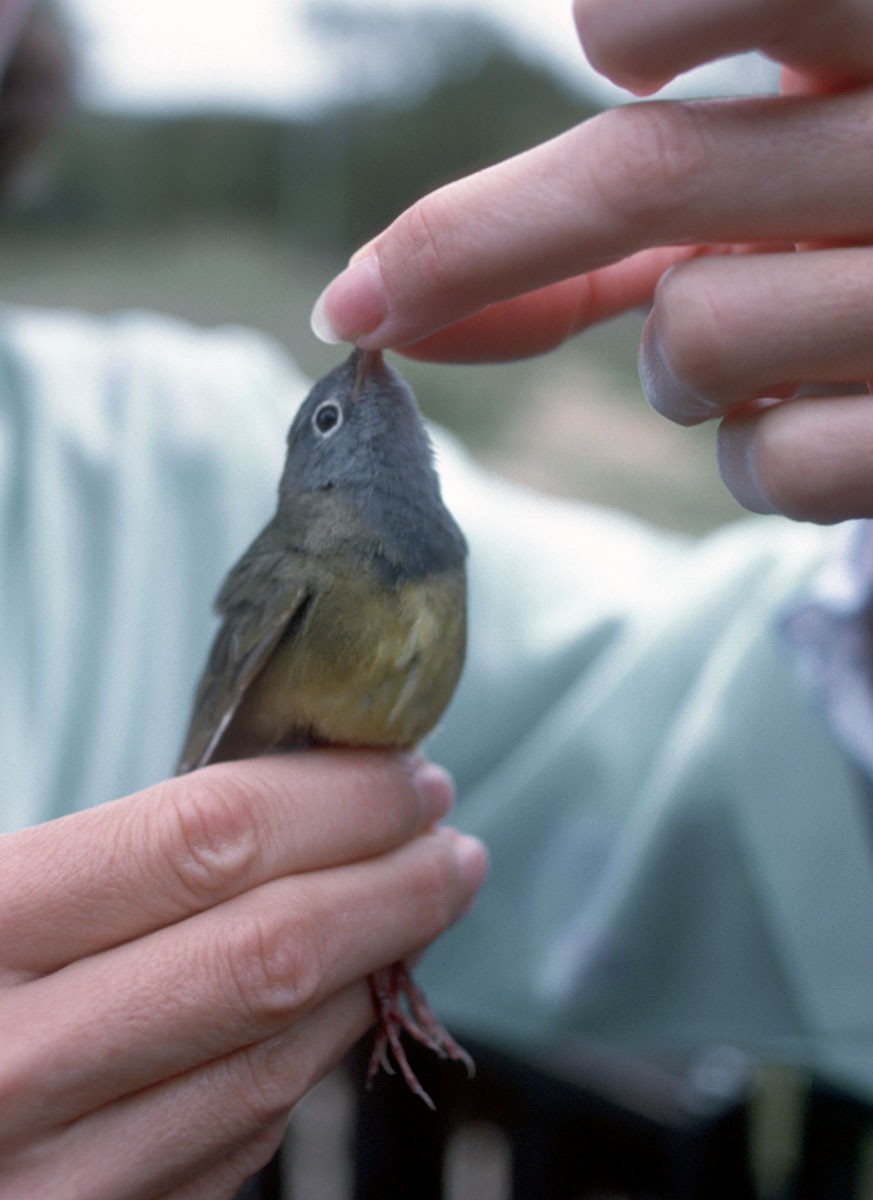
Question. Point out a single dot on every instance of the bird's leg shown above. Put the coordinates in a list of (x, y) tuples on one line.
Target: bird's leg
[(388, 987)]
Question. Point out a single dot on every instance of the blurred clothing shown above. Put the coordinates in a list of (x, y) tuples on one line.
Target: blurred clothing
[(663, 741)]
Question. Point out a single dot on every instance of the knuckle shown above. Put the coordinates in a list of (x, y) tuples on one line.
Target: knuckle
[(261, 1140), (274, 967), (650, 158), (264, 1090), (213, 839), (22, 1091)]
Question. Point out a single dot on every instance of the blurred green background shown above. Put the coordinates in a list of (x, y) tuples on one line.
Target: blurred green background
[(219, 217)]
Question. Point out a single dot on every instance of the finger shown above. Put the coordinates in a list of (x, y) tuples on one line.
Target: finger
[(630, 179), (807, 458), (643, 47), (228, 977), (796, 82), (178, 1133), (226, 1178), (98, 878), (723, 331), (541, 320)]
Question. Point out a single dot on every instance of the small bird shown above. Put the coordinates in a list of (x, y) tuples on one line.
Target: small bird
[(344, 623)]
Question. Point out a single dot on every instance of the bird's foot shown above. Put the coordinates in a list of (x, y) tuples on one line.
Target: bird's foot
[(388, 987)]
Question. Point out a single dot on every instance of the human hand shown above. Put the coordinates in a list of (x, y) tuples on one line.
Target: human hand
[(179, 967), (698, 208)]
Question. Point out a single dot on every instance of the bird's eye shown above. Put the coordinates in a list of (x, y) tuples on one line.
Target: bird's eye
[(327, 418)]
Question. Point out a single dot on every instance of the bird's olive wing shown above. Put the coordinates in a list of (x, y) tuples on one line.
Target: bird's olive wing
[(259, 598)]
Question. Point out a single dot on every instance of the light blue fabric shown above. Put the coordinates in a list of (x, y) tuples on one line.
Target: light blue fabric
[(680, 849), (137, 458)]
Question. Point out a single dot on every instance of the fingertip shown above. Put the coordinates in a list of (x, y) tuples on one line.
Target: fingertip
[(436, 790), (471, 857), (600, 27), (736, 453), (661, 386), (353, 306), (321, 324)]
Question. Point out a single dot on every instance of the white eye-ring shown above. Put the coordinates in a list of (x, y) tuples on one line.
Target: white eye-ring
[(327, 418)]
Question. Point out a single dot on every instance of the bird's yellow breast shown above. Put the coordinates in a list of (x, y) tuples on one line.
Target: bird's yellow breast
[(365, 665)]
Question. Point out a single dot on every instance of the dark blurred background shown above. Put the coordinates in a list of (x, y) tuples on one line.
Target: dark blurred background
[(220, 207)]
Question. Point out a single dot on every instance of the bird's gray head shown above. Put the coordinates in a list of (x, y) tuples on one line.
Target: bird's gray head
[(359, 422), (360, 431)]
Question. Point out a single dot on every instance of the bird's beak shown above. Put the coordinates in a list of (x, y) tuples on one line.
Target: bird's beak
[(368, 362)]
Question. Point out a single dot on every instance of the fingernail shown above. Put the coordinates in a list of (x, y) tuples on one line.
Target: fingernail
[(736, 465), (472, 859), (436, 789), (351, 306), (320, 323)]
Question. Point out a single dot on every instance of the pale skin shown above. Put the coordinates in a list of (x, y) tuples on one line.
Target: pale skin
[(746, 225), (177, 968)]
